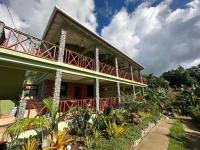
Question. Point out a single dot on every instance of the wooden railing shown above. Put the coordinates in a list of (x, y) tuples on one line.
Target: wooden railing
[(24, 43), (109, 102), (36, 108), (79, 60), (104, 68), (18, 41), (125, 75)]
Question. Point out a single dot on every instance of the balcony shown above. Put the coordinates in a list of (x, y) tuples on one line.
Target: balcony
[(36, 108), (18, 41)]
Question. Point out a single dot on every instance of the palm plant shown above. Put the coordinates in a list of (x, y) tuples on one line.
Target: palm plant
[(14, 130), (32, 144), (53, 111), (40, 124), (114, 130), (60, 140)]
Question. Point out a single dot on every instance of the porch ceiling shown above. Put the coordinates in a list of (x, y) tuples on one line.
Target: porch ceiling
[(72, 78)]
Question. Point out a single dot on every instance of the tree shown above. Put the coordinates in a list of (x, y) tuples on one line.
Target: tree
[(156, 83), (179, 77)]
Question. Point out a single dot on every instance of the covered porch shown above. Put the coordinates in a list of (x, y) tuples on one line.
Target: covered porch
[(75, 90)]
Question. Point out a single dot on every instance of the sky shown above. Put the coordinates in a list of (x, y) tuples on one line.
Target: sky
[(158, 34)]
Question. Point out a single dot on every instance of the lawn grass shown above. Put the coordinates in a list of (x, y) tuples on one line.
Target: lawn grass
[(178, 140)]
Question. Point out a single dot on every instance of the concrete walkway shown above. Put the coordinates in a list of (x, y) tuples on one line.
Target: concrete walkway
[(158, 138)]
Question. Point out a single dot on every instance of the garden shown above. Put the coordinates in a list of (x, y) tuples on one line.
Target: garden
[(118, 129), (80, 128)]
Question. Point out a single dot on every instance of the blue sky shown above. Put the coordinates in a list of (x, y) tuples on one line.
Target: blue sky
[(105, 9), (158, 34)]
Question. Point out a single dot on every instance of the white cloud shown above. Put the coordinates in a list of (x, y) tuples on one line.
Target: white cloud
[(32, 15), (158, 37), (6, 18)]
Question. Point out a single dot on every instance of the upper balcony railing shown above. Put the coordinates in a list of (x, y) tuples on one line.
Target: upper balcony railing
[(24, 43), (79, 60), (18, 41), (104, 68)]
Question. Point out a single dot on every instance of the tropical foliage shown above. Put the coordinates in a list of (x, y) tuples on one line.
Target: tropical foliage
[(60, 140), (32, 144), (181, 76), (115, 129)]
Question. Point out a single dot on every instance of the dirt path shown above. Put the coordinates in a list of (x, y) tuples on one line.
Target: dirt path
[(158, 137), (192, 132)]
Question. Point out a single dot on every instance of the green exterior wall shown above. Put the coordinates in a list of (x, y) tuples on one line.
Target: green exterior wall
[(10, 83), (6, 106)]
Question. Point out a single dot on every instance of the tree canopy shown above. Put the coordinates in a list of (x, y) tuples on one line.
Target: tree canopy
[(181, 76)]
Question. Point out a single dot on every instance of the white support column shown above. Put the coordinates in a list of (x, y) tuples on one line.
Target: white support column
[(118, 93), (141, 78), (96, 80), (97, 59), (131, 73), (58, 76), (118, 84), (116, 66), (22, 102), (97, 94), (133, 86), (134, 92), (142, 89)]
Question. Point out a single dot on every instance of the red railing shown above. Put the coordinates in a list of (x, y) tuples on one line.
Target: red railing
[(104, 68), (76, 59), (108, 102), (24, 43), (37, 106), (125, 75), (21, 42), (65, 105)]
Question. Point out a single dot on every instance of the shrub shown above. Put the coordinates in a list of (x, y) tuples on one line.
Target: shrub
[(195, 113), (32, 144), (60, 140), (178, 139), (80, 124), (114, 130)]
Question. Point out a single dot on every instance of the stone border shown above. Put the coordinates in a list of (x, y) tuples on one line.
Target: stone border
[(145, 132)]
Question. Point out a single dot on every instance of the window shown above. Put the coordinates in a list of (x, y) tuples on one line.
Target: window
[(90, 91), (63, 89)]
